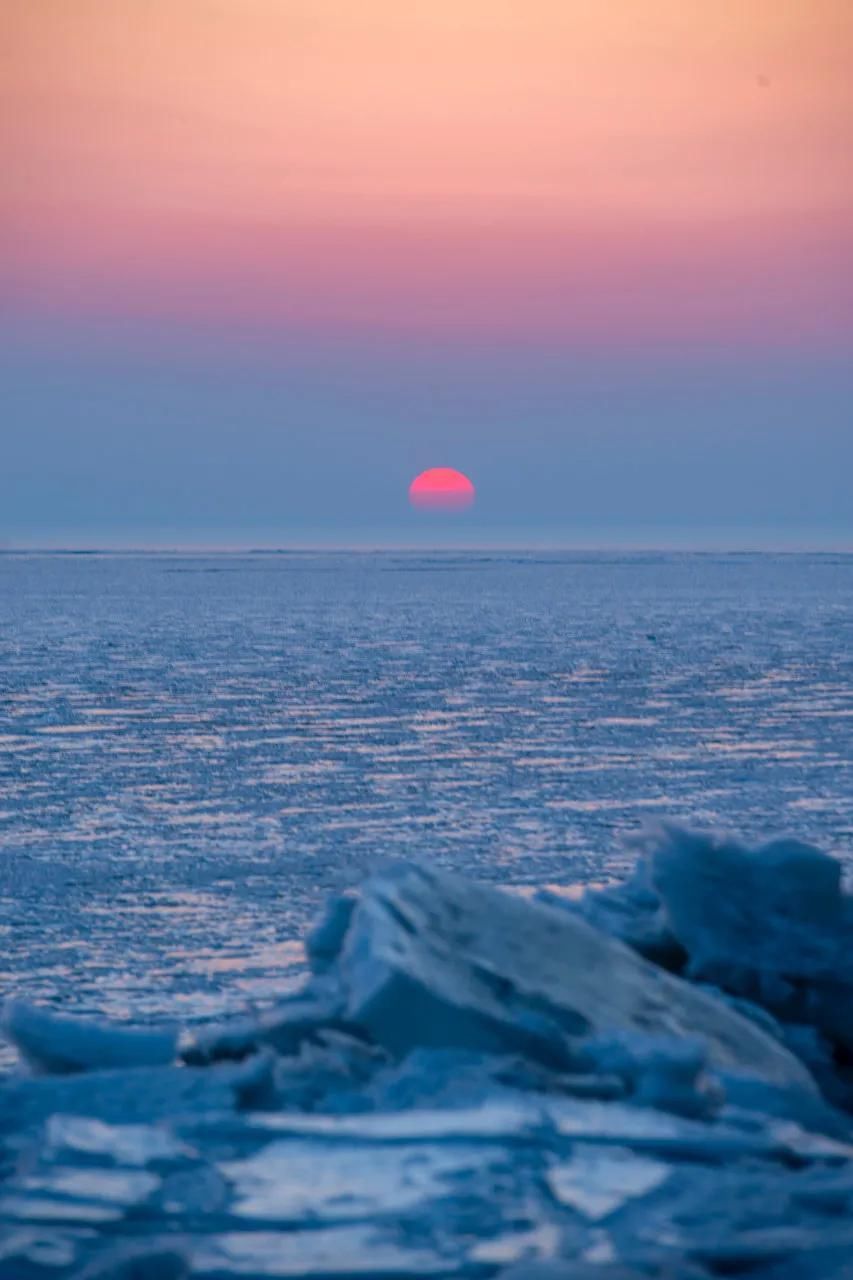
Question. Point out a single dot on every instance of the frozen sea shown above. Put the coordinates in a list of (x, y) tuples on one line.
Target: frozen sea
[(195, 749)]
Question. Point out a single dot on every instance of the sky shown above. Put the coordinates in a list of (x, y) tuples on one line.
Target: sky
[(262, 261)]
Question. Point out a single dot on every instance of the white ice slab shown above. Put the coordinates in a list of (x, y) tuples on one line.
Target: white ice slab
[(296, 1181), (597, 1181), (324, 1254)]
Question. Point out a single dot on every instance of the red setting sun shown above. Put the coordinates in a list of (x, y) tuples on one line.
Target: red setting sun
[(441, 489)]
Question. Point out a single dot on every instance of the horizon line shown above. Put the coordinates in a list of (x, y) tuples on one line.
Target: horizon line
[(428, 549)]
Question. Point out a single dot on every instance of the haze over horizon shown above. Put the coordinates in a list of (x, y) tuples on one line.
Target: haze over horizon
[(261, 262)]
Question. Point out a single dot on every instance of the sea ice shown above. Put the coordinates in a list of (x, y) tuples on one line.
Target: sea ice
[(470, 1080)]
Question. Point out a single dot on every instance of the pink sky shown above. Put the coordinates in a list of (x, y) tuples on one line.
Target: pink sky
[(666, 169)]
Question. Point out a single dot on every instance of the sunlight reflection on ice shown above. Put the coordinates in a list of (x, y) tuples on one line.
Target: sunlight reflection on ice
[(191, 761)]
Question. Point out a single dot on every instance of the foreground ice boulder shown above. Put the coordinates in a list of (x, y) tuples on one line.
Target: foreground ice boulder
[(470, 1084), (432, 959), (770, 924), (770, 927)]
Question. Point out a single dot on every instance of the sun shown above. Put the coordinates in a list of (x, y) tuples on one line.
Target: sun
[(441, 489)]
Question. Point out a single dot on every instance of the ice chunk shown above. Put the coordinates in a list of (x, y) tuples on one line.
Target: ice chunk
[(145, 1260), (431, 959), (69, 1195), (131, 1096), (589, 1084), (658, 1071), (452, 1078), (28, 1250), (120, 1186), (657, 1132), (220, 1041), (330, 1253), (770, 924), (331, 1072), (734, 1218), (746, 1094), (53, 1043), (294, 1181), (131, 1144), (747, 1249), (595, 1181), (324, 941), (799, 1142), (546, 1240), (581, 1271), (283, 1028), (630, 911), (505, 1119), (28, 1207)]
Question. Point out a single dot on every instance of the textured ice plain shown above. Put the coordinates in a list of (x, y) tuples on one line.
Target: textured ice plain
[(195, 750), (473, 1084)]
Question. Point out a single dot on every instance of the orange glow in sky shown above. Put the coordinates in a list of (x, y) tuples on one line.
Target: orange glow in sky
[(558, 167)]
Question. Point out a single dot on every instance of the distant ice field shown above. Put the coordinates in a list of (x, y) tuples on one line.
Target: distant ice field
[(196, 749)]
